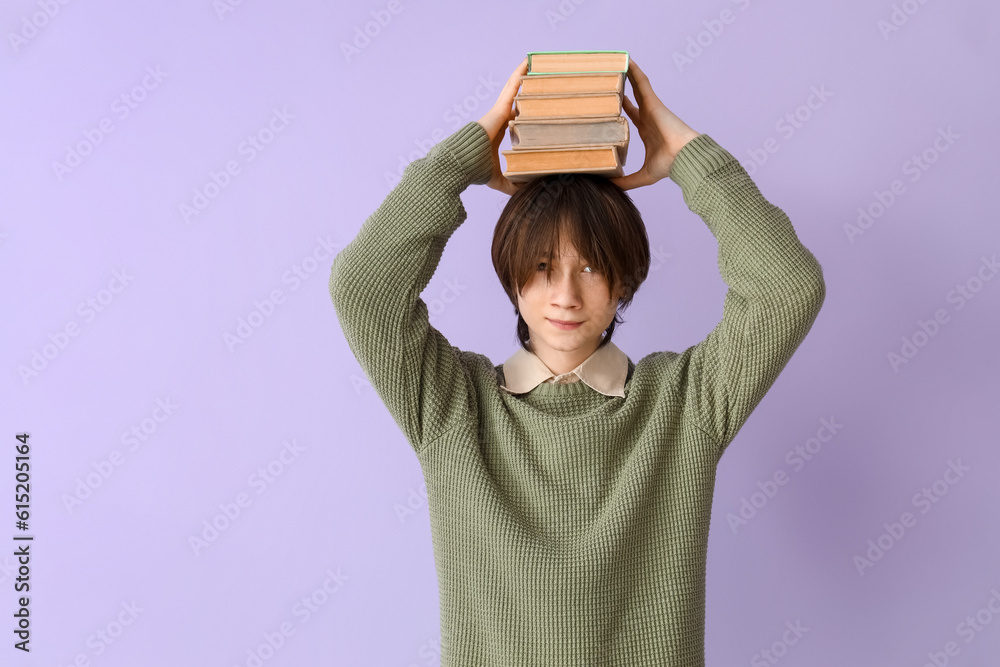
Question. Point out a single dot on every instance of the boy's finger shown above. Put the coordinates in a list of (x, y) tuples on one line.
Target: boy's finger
[(640, 82), (635, 69), (515, 77), (630, 108), (631, 181)]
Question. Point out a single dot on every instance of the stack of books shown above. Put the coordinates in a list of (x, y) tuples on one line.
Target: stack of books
[(569, 116)]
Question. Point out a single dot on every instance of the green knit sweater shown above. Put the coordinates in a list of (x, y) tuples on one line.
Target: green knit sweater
[(570, 528)]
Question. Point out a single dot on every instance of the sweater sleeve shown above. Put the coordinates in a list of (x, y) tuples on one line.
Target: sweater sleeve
[(775, 290), (376, 282)]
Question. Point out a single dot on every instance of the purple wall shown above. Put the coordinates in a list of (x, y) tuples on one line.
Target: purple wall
[(142, 229)]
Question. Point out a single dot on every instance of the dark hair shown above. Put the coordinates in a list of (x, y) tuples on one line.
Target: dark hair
[(599, 219)]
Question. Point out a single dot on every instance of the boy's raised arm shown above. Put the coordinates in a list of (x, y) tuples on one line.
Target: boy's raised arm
[(776, 289), (377, 279), (776, 286)]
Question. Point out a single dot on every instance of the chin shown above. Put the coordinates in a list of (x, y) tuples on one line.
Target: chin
[(570, 340)]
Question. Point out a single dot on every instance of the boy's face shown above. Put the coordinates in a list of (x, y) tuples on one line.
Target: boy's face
[(575, 293)]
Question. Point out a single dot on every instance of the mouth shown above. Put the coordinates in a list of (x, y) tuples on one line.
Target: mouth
[(566, 326)]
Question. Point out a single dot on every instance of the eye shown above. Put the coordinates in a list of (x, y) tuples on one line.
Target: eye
[(588, 267)]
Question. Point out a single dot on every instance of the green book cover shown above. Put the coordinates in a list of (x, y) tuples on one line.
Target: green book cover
[(532, 53)]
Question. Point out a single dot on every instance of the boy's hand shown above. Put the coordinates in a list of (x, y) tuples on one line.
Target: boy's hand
[(495, 122), (663, 134)]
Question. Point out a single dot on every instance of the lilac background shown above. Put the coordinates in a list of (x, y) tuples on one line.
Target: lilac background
[(349, 502)]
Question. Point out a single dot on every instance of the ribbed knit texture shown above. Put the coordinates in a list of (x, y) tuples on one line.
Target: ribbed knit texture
[(571, 528)]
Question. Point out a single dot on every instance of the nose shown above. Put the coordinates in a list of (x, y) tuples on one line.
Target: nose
[(565, 290)]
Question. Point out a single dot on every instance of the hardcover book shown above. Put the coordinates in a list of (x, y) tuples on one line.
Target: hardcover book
[(576, 82), (546, 132), (547, 62), (526, 165), (562, 105)]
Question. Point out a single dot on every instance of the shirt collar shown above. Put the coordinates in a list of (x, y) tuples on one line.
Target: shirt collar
[(604, 371)]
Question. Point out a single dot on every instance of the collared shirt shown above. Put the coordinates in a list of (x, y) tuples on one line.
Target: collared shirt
[(604, 371)]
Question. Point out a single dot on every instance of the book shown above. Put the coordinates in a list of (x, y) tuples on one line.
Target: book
[(575, 82), (542, 62), (526, 165), (547, 132), (567, 104), (568, 116)]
